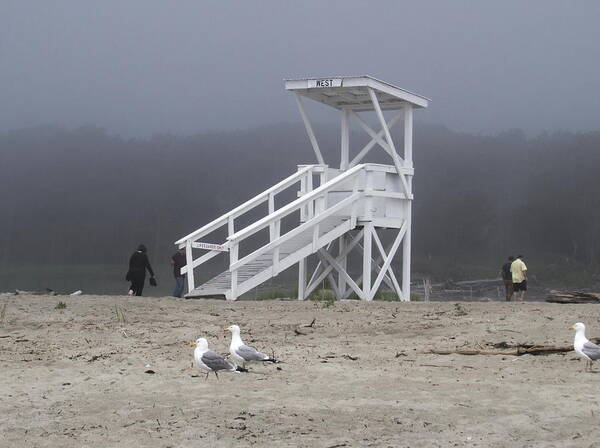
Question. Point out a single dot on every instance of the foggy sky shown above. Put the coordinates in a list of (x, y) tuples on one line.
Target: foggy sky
[(142, 67)]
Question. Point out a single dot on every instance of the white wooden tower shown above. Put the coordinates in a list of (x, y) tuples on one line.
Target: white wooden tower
[(342, 208)]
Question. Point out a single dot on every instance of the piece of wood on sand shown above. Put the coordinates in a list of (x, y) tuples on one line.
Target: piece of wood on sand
[(555, 296), (515, 350)]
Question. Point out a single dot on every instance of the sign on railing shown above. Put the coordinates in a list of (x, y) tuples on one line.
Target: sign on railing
[(210, 246)]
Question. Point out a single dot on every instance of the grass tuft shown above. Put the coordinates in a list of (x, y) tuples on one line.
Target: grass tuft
[(324, 296)]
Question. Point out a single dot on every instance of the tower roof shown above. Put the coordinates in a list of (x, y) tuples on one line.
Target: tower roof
[(352, 92)]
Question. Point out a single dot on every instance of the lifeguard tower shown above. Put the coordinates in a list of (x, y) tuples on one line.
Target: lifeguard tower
[(341, 208)]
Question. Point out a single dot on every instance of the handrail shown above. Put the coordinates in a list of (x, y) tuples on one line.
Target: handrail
[(255, 201), (292, 206), (316, 220)]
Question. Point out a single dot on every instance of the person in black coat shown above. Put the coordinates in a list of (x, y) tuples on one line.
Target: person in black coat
[(138, 263)]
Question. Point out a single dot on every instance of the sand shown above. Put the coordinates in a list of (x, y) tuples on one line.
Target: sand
[(76, 377)]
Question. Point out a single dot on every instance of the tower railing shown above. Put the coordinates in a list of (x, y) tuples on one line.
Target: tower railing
[(304, 176)]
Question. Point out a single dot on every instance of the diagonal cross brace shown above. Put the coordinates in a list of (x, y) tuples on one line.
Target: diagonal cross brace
[(343, 273), (374, 140), (390, 142), (327, 269), (388, 257)]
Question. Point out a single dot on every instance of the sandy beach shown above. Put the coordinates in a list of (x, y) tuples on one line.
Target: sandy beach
[(75, 377)]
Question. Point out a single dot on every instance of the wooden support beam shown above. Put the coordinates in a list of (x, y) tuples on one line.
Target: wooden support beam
[(388, 259), (315, 280), (390, 142), (302, 266), (374, 136), (363, 152), (366, 276), (344, 159), (189, 261), (309, 130), (393, 282), (406, 249), (338, 268)]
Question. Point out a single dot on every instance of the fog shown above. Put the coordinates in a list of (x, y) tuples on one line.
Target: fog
[(145, 67), (118, 118)]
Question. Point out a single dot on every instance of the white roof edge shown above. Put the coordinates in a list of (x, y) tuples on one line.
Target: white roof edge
[(371, 82)]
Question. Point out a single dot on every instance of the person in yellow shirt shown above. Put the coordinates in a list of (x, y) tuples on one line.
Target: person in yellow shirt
[(518, 269)]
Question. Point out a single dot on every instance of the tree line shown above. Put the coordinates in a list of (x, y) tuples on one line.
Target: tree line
[(84, 196)]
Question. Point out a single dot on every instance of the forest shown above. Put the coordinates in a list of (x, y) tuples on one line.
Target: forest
[(75, 200)]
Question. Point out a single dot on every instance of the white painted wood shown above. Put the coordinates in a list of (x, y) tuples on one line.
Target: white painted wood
[(277, 249), (393, 282), (393, 97), (369, 195), (345, 140), (406, 253), (364, 151), (327, 268), (245, 207), (189, 259), (293, 206), (271, 206), (330, 276), (347, 277), (366, 281), (230, 225), (387, 260), (309, 131), (408, 133), (307, 226), (376, 263), (234, 272), (198, 261), (390, 142), (302, 272), (343, 260), (310, 206), (374, 136)]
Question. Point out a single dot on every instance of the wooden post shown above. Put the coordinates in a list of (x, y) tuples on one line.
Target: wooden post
[(406, 246), (366, 277), (342, 243), (345, 156), (406, 253), (302, 268), (230, 226), (271, 210), (408, 134), (233, 258), (189, 260), (309, 130), (276, 234)]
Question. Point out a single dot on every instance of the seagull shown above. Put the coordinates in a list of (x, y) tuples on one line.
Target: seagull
[(583, 347), (242, 353), (212, 361)]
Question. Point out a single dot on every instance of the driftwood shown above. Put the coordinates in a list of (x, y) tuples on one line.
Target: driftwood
[(47, 292), (555, 296), (516, 350)]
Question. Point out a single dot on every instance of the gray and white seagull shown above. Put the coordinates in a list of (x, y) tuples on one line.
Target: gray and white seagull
[(583, 347), (212, 361), (243, 353)]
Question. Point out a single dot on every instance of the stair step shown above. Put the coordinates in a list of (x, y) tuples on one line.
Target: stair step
[(221, 283)]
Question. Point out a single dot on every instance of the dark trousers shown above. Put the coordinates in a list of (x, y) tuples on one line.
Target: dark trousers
[(137, 285), (178, 286), (508, 286)]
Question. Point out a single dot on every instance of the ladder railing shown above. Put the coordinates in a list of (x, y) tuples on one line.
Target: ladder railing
[(313, 204), (304, 175)]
